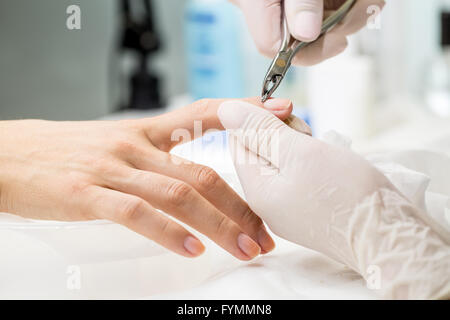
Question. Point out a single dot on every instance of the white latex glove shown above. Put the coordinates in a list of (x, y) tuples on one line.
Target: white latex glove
[(331, 200), (304, 19)]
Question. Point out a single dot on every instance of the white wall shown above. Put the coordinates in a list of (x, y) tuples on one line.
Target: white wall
[(408, 41)]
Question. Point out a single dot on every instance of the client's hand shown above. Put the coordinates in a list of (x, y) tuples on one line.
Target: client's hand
[(331, 200), (122, 171)]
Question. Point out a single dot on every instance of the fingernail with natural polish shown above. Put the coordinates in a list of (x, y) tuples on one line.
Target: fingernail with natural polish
[(193, 246), (248, 246), (277, 104), (265, 241), (307, 25)]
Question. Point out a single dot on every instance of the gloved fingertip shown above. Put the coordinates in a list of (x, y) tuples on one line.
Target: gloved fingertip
[(307, 26)]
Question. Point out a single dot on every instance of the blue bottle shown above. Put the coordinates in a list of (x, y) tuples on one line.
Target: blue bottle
[(214, 56)]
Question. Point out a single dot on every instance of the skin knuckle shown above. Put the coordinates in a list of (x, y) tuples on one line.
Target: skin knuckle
[(125, 147), (222, 227), (250, 218), (144, 178), (201, 107), (163, 231), (77, 186), (102, 166), (207, 177), (178, 192), (130, 210)]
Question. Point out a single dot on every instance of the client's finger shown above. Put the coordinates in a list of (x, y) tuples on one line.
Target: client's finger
[(213, 188), (182, 201), (136, 214), (195, 119)]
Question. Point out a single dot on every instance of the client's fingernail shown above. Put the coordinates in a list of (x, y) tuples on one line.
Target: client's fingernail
[(298, 125), (248, 246), (307, 26), (265, 241), (193, 246), (278, 104)]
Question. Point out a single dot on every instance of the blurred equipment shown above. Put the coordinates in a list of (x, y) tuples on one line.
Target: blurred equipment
[(438, 86), (341, 94), (214, 54), (139, 36), (290, 47)]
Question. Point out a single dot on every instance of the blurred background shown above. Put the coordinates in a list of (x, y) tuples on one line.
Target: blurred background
[(144, 57)]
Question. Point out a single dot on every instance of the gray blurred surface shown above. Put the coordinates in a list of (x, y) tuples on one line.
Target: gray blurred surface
[(50, 72)]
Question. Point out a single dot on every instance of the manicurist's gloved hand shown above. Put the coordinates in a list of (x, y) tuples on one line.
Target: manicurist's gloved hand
[(304, 19), (331, 200), (122, 171)]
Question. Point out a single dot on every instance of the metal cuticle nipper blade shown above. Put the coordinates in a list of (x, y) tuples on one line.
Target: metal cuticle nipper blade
[(290, 47)]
